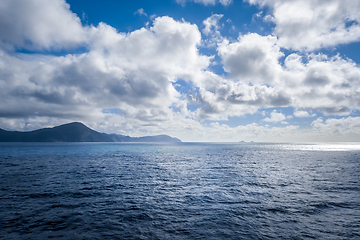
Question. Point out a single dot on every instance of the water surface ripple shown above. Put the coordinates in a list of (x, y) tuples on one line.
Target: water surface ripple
[(182, 191)]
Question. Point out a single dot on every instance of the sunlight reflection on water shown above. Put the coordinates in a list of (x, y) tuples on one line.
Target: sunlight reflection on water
[(323, 147)]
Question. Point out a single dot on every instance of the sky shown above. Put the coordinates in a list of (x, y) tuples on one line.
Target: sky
[(198, 70)]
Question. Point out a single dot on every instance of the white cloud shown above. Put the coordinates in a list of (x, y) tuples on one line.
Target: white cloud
[(206, 2), (344, 129), (133, 72), (314, 82), (140, 12), (39, 24), (329, 85), (253, 58), (226, 2), (211, 29), (220, 97), (136, 73), (309, 25), (257, 80), (335, 130), (275, 117), (303, 114), (212, 23)]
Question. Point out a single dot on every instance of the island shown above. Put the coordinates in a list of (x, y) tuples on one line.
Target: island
[(76, 132)]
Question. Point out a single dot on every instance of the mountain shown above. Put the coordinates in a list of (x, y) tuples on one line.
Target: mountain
[(75, 132)]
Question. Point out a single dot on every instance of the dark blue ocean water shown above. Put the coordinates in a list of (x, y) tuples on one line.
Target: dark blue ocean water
[(183, 191)]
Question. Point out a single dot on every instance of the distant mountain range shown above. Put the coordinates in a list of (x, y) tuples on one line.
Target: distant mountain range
[(75, 132)]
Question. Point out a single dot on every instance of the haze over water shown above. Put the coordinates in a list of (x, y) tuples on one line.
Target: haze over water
[(182, 191)]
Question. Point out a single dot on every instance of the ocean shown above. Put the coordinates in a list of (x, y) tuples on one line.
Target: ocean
[(179, 191)]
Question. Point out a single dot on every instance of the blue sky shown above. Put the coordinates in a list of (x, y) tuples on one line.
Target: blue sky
[(199, 70)]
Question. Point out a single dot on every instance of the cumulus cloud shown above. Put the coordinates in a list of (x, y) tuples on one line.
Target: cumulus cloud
[(127, 82), (130, 72), (253, 58), (347, 123), (312, 81), (303, 114), (211, 29), (42, 24), (257, 79), (275, 117), (339, 129), (211, 23), (329, 85), (309, 25), (133, 72)]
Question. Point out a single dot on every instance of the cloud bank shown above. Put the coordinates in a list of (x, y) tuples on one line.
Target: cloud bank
[(133, 83)]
